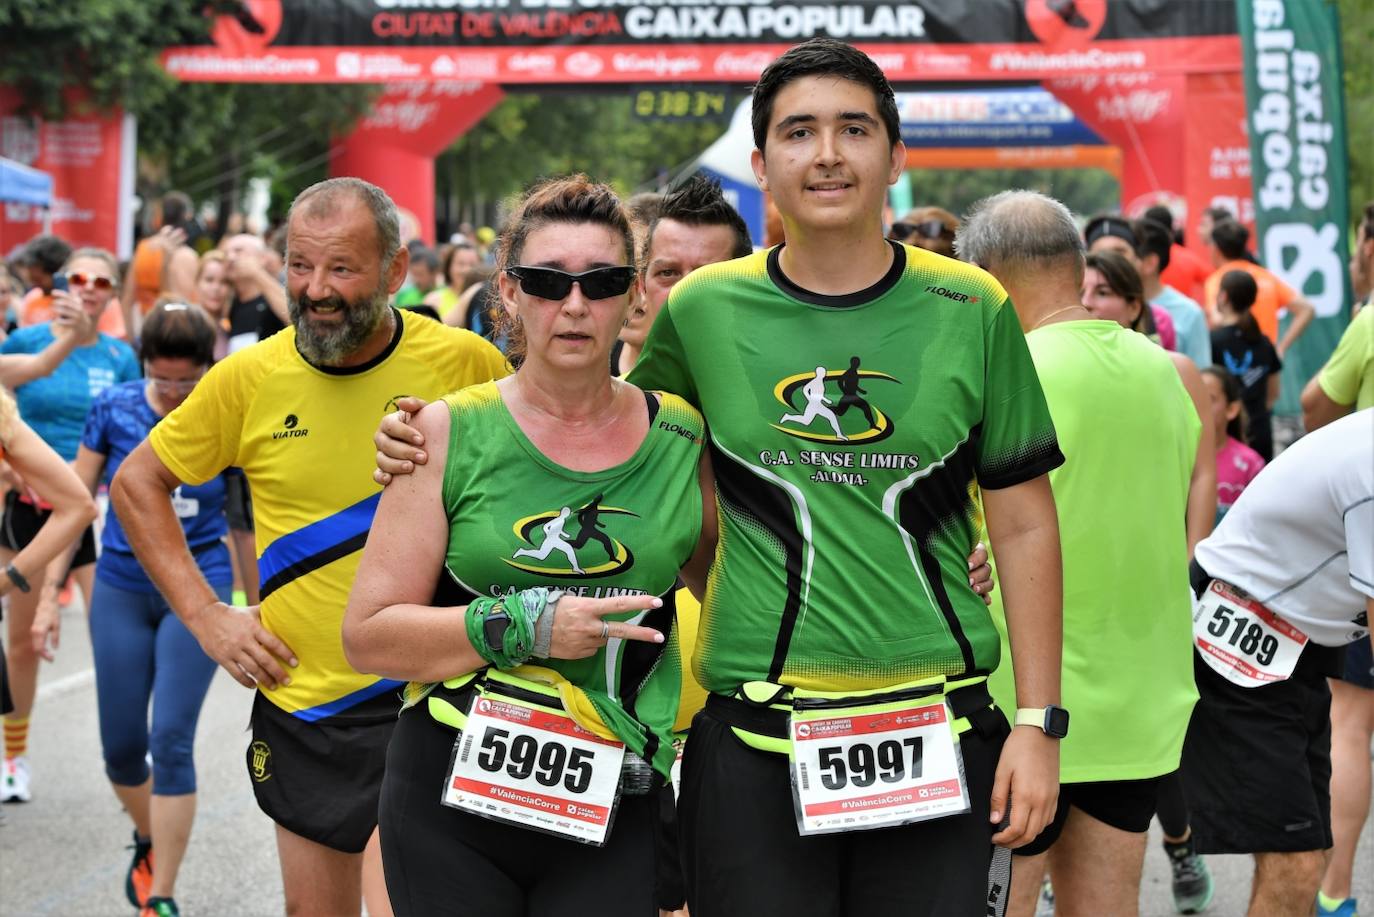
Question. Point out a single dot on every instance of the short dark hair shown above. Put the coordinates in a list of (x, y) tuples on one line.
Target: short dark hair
[(1165, 217), (1161, 215), (1368, 221), (177, 209), (1230, 238), (699, 202), (47, 252), (1241, 290), (426, 257), (178, 331), (1152, 238), (823, 57)]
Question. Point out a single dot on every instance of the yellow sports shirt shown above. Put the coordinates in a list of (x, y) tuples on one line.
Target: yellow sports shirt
[(303, 436)]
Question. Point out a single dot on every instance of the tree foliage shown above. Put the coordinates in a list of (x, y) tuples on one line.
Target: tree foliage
[(1357, 36), (528, 136), (108, 48), (1084, 191), (204, 137)]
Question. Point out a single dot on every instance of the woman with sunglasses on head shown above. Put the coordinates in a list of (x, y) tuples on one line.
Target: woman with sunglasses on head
[(522, 581), (143, 653), (56, 369), (931, 228)]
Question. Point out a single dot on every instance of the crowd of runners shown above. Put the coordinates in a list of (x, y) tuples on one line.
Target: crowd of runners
[(575, 597)]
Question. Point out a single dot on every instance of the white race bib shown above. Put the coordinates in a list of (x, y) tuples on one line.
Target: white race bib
[(185, 507), (535, 768), (873, 766), (1243, 641)]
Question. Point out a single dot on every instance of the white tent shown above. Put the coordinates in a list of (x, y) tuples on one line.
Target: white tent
[(727, 161)]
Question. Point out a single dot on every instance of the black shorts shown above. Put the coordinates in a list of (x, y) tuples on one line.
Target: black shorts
[(1359, 664), (318, 780), (1257, 762), (6, 701), (443, 861), (22, 522), (742, 853), (238, 505), (1127, 805)]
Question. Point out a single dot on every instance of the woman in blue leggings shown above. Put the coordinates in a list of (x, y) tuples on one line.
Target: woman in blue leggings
[(142, 651)]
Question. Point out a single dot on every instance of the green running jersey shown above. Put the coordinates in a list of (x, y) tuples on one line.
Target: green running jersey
[(518, 520), (849, 436)]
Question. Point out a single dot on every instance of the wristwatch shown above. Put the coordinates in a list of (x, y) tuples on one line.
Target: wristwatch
[(494, 628), (1052, 719)]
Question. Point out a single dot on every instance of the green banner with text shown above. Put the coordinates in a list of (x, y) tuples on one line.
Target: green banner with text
[(1296, 106)]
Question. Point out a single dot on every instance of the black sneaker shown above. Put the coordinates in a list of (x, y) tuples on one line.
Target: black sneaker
[(1192, 882), (139, 880)]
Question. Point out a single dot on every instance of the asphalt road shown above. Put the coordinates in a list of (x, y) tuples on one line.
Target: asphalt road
[(64, 853)]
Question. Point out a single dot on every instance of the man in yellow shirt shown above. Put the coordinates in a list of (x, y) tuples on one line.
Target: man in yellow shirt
[(295, 412)]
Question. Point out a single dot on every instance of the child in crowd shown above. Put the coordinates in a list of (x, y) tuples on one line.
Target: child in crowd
[(1237, 463)]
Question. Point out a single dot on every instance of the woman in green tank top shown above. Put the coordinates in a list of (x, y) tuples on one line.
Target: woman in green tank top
[(522, 581)]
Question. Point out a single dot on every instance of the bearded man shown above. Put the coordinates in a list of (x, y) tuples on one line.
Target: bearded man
[(297, 412)]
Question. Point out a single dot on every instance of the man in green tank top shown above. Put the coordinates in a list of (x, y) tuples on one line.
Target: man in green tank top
[(858, 395), (1131, 435)]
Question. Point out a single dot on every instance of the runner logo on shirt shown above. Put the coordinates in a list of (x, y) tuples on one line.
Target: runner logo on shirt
[(569, 541), (826, 406)]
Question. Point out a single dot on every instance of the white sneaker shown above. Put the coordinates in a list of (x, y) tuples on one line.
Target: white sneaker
[(14, 784)]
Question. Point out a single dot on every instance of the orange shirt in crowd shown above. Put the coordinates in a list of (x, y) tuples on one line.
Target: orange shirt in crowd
[(36, 308), (1272, 295), (149, 260), (1186, 272)]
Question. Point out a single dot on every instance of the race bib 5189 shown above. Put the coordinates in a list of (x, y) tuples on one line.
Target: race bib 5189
[(1241, 640)]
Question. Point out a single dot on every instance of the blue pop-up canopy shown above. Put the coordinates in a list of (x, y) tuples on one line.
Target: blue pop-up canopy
[(20, 184)]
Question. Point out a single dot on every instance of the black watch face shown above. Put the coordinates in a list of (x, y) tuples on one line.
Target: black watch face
[(494, 629), (1056, 722)]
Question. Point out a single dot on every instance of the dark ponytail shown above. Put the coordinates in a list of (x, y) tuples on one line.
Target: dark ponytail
[(1241, 292)]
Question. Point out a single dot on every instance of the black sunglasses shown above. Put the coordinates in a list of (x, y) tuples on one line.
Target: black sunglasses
[(930, 229), (550, 283)]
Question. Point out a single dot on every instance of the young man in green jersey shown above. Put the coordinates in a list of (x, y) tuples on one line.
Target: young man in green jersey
[(840, 580)]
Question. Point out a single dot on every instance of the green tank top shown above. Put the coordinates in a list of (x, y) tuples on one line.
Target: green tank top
[(1130, 433), (519, 520)]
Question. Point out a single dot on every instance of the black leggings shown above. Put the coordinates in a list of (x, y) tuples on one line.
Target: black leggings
[(440, 860), (1172, 809)]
